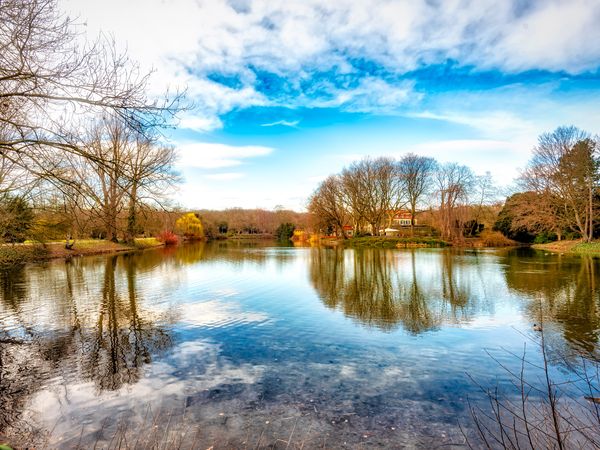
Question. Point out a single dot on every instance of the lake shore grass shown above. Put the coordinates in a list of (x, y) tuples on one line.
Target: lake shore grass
[(486, 240), (576, 247), (393, 242), (12, 254)]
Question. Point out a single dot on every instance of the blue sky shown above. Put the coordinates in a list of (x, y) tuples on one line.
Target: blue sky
[(288, 92)]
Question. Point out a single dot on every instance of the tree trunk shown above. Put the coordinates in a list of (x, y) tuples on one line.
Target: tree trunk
[(591, 211), (132, 217)]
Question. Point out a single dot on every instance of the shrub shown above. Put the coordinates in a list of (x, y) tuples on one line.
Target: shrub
[(19, 254), (146, 242), (16, 218), (167, 237), (285, 231), (544, 238), (495, 239)]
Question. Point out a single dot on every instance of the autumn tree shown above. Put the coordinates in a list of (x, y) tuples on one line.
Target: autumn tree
[(190, 226), (523, 216)]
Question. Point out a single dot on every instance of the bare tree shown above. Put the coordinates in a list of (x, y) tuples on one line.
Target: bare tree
[(327, 205), (149, 177), (453, 183), (416, 173), (564, 171), (140, 173), (371, 189), (483, 195), (51, 85), (354, 195)]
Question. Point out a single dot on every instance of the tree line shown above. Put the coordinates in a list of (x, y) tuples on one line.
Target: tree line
[(80, 138), (235, 221), (368, 193)]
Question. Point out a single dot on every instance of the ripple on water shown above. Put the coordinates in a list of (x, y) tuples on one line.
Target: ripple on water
[(362, 347)]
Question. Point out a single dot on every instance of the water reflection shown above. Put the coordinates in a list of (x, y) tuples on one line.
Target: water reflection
[(12, 285), (122, 341), (236, 333), (58, 320), (559, 289), (422, 290), (387, 288)]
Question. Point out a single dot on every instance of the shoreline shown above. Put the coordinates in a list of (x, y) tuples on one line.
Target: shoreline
[(571, 247), (389, 242), (15, 254)]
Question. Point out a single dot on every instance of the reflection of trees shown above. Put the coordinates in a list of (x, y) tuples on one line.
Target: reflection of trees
[(562, 290), (357, 285), (457, 295), (122, 341), (371, 286), (13, 285), (91, 325), (417, 315)]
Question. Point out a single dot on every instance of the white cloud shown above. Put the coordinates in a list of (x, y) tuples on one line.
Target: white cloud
[(207, 155), (283, 123), (316, 48), (199, 123), (489, 123), (370, 95)]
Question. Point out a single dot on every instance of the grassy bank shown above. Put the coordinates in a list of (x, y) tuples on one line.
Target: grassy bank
[(253, 236), (573, 247), (394, 242), (485, 240), (11, 254)]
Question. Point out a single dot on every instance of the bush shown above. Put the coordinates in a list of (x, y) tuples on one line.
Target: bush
[(167, 237), (146, 242), (19, 254), (16, 218), (285, 231), (544, 238), (495, 239)]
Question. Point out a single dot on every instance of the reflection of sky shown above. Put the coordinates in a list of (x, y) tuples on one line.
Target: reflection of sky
[(191, 367), (253, 319)]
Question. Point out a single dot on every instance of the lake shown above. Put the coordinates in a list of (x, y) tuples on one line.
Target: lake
[(254, 345)]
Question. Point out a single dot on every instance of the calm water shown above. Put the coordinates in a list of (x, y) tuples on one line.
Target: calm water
[(258, 346)]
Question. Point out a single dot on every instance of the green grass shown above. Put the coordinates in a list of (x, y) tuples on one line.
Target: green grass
[(83, 242), (19, 254), (587, 248), (30, 251), (90, 243), (394, 242), (146, 242)]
